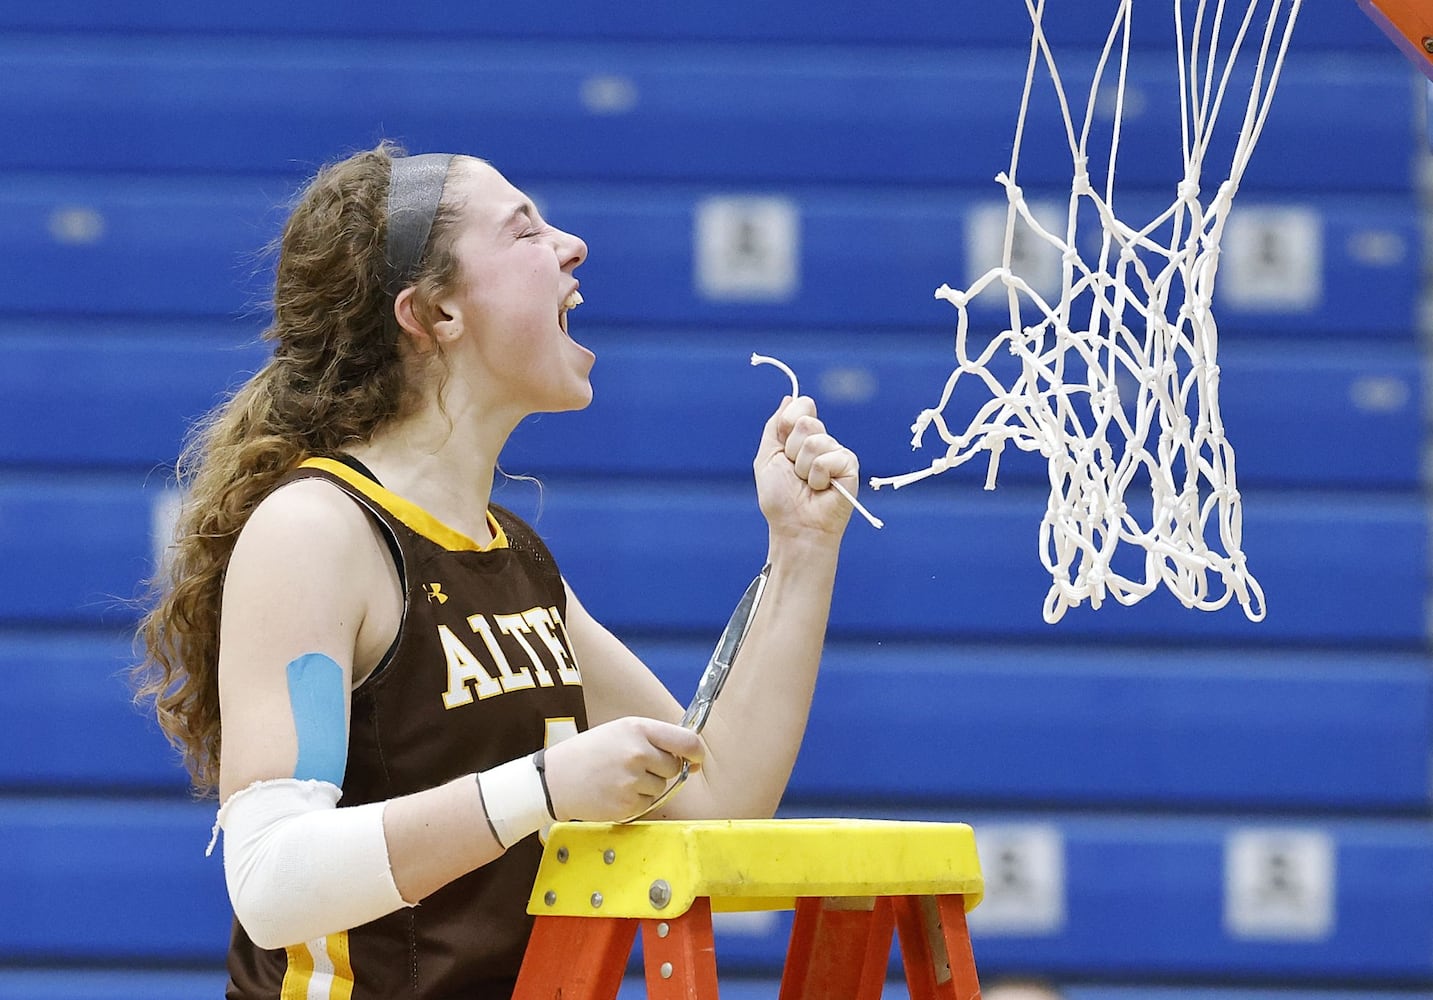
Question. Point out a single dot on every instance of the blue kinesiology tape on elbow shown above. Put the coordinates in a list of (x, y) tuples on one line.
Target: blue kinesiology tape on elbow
[(316, 698)]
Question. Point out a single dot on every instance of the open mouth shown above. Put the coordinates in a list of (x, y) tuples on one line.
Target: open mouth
[(573, 300)]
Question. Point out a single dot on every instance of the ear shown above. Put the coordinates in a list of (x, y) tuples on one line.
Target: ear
[(409, 323), (421, 336)]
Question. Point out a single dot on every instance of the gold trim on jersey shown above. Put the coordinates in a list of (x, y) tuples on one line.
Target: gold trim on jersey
[(319, 970), (410, 513)]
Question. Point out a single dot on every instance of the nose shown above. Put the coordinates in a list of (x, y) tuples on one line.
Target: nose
[(571, 250)]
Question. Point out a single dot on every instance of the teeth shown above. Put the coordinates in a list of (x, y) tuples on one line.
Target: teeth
[(573, 300)]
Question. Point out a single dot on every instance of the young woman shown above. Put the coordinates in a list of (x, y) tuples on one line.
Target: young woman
[(384, 676)]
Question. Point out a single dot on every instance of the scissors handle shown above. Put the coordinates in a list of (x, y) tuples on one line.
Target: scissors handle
[(661, 800)]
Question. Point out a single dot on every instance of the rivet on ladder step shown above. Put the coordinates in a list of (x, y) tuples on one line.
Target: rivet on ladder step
[(660, 894), (666, 970), (596, 900), (609, 856), (550, 898), (562, 855)]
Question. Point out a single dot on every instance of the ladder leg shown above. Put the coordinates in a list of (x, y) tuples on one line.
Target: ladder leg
[(576, 958), (840, 949), (935, 948), (959, 954), (680, 955)]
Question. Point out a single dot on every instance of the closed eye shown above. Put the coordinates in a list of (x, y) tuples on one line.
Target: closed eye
[(527, 223)]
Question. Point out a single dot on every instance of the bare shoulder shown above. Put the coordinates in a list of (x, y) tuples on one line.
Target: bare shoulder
[(312, 529), (309, 513)]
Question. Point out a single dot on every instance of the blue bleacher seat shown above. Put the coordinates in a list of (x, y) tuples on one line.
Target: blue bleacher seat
[(967, 566), (65, 564), (755, 114), (108, 984), (1143, 896), (117, 394), (123, 881), (1335, 569), (1322, 415), (1114, 727), (120, 244), (82, 679), (1106, 727), (640, 269), (910, 22), (1143, 899), (1115, 865)]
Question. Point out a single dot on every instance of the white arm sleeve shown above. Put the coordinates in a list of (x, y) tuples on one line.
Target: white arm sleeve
[(298, 867)]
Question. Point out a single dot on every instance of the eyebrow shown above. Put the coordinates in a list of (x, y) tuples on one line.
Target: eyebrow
[(526, 208)]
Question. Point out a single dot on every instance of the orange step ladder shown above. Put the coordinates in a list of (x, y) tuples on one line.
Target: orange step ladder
[(853, 884)]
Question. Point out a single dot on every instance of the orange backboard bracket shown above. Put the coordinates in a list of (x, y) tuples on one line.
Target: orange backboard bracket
[(1410, 24)]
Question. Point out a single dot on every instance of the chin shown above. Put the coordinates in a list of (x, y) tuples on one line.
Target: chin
[(579, 399), (583, 398), (586, 400)]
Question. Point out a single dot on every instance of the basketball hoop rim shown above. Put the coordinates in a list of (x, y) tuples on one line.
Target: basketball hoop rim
[(1407, 27)]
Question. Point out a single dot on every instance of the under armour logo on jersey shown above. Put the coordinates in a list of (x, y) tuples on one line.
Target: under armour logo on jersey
[(435, 593)]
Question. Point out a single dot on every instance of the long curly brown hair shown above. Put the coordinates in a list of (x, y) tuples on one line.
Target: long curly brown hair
[(337, 374)]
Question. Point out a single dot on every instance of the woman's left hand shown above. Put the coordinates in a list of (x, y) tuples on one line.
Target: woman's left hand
[(795, 466)]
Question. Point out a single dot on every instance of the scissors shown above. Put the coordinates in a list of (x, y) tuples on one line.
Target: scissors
[(714, 677)]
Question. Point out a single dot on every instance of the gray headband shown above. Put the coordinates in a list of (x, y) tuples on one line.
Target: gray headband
[(414, 190)]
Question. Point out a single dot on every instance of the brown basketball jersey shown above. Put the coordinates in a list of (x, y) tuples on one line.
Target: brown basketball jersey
[(481, 672)]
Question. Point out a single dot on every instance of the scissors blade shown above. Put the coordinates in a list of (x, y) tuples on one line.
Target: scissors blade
[(713, 677), (727, 648)]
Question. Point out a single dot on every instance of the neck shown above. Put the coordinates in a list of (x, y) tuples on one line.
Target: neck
[(442, 463)]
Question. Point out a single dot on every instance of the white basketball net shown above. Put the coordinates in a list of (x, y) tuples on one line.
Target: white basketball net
[(1118, 382)]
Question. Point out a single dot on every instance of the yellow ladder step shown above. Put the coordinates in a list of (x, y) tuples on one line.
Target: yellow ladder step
[(649, 870)]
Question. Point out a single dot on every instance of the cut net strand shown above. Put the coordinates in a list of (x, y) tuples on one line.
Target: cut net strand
[(1118, 378), (872, 519)]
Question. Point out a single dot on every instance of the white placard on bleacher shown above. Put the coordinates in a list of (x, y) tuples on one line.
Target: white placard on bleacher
[(1272, 259), (747, 248), (1032, 258), (1279, 884), (1024, 869)]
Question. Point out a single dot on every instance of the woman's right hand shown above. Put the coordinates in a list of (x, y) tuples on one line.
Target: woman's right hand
[(616, 769)]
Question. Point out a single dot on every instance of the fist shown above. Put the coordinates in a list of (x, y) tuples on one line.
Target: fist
[(796, 464)]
